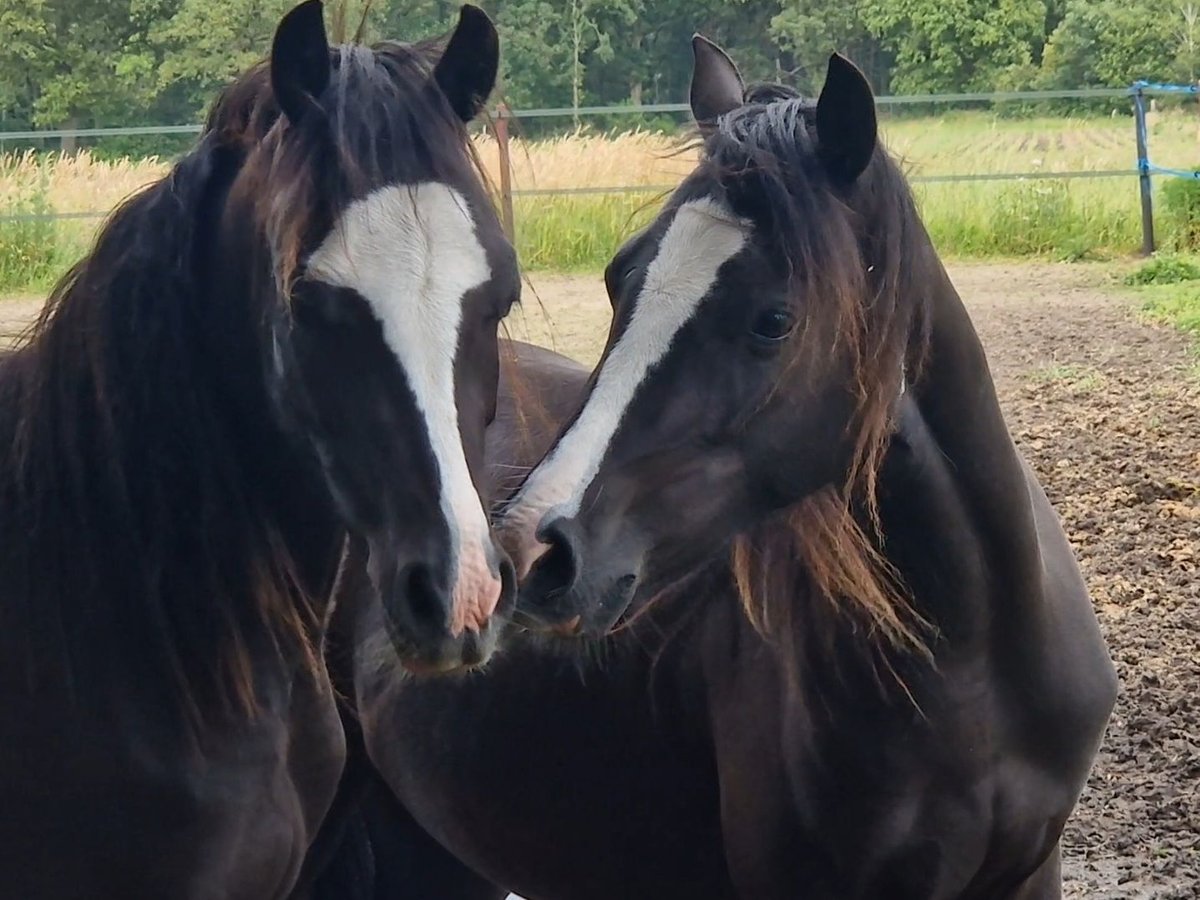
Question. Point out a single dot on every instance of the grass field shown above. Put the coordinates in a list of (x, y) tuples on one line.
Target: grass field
[(1057, 218), (1170, 290)]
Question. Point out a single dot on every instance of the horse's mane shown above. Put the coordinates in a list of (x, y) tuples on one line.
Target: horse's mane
[(133, 530), (862, 260)]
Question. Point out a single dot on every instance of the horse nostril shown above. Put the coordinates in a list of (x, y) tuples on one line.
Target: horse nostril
[(426, 604), (508, 586), (559, 566)]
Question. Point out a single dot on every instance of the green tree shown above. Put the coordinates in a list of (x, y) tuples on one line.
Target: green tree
[(811, 29), (1112, 43), (205, 44), (74, 62), (65, 62), (548, 47), (535, 66), (1187, 31), (411, 20), (654, 51), (587, 38), (956, 45)]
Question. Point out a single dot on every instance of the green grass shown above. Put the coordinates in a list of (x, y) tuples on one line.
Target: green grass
[(1061, 220), (1175, 304), (34, 254), (1055, 218), (1170, 291), (1078, 378), (579, 231), (35, 250), (1046, 219), (1065, 220), (1164, 268), (27, 243)]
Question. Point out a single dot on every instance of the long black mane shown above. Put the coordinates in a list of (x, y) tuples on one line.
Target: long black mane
[(136, 534), (862, 262)]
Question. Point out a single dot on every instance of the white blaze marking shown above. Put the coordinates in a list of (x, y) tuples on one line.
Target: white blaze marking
[(702, 237), (412, 253)]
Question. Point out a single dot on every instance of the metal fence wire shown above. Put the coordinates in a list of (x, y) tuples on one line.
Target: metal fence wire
[(1142, 169)]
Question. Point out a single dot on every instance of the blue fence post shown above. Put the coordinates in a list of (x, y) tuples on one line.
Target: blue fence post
[(1143, 164)]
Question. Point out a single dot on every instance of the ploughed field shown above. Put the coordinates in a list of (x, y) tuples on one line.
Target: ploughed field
[(1107, 408)]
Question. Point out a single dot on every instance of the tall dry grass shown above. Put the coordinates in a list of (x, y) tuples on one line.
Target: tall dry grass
[(1058, 217), (74, 184), (630, 159), (35, 247)]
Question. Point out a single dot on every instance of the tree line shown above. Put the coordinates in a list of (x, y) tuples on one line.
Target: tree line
[(79, 63)]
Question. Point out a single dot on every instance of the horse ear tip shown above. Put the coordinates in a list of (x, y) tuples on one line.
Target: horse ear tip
[(470, 14), (304, 15), (843, 66)]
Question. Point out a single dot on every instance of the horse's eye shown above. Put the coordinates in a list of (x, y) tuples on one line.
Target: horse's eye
[(773, 325)]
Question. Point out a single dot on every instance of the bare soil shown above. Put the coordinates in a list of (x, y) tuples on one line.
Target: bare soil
[(1107, 408)]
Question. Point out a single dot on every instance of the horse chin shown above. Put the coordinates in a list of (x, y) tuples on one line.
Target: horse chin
[(592, 609), (452, 655)]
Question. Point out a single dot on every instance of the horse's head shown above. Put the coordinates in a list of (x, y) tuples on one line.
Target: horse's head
[(384, 273), (753, 358)]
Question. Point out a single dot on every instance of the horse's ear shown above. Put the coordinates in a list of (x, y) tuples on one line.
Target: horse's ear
[(846, 125), (717, 86), (300, 67), (466, 73)]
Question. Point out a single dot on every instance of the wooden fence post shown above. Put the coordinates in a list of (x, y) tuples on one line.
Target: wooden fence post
[(1139, 124), (500, 131)]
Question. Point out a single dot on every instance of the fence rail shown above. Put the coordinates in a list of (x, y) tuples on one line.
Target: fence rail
[(564, 112), (498, 126)]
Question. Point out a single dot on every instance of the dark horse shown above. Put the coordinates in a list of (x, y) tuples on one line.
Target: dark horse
[(834, 641), (292, 336)]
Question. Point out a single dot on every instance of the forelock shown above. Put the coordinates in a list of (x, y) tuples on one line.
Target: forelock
[(381, 121)]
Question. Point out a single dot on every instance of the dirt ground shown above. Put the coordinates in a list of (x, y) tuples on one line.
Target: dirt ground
[(1108, 410)]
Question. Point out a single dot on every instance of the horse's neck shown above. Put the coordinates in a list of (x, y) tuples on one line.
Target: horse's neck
[(233, 476), (954, 493), (282, 470)]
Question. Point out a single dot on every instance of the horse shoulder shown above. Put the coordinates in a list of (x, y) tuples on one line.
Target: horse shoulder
[(1078, 682)]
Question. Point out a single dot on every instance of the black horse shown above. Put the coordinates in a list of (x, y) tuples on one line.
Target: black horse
[(834, 641), (290, 337)]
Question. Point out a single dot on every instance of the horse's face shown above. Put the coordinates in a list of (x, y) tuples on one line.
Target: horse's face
[(384, 353), (722, 396)]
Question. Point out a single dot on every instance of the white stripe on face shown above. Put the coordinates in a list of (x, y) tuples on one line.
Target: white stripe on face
[(412, 253), (702, 237)]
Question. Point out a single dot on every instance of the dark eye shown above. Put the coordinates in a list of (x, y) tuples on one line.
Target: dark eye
[(317, 305), (773, 325)]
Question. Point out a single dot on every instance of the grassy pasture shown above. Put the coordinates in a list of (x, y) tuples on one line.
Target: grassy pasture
[(1057, 218), (1170, 290)]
